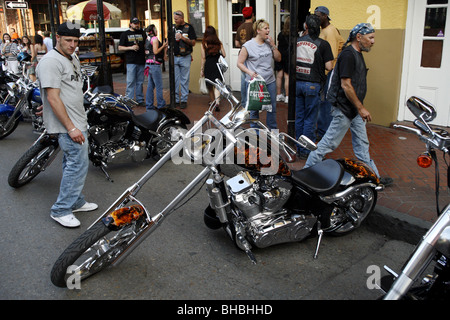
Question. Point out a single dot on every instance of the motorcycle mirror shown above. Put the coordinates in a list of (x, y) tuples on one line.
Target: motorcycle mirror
[(422, 109), (307, 143), (443, 243)]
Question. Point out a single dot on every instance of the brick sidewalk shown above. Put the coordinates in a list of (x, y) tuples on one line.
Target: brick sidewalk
[(394, 152)]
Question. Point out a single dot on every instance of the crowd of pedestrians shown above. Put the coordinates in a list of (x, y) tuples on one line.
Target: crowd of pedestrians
[(329, 91)]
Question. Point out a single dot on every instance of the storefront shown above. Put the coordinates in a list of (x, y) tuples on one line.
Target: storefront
[(410, 57)]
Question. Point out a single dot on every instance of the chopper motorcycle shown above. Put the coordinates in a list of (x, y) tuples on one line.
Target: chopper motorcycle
[(255, 207), (434, 248), (115, 134)]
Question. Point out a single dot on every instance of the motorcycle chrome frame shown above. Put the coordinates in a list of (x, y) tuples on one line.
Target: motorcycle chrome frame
[(437, 237), (233, 119)]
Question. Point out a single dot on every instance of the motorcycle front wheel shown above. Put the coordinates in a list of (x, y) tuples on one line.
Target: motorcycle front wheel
[(352, 210), (7, 130), (31, 164), (94, 250)]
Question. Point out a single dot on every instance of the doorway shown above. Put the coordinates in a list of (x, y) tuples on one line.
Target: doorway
[(427, 58)]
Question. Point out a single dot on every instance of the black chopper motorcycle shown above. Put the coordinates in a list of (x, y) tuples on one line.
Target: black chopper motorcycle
[(263, 204), (115, 134), (416, 281)]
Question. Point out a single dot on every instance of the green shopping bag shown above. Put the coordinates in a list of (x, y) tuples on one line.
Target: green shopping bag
[(258, 97)]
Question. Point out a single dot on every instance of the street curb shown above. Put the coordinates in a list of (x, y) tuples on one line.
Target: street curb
[(396, 225)]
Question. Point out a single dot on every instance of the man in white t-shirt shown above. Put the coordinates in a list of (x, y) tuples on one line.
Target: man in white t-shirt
[(59, 73), (48, 41)]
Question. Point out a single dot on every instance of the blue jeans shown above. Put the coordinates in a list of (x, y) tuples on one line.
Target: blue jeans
[(271, 118), (324, 116), (306, 108), (182, 66), (154, 81), (334, 135), (75, 166), (135, 82)]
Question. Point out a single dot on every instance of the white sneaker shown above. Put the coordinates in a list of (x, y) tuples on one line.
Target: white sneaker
[(286, 100), (88, 206), (69, 221), (280, 97)]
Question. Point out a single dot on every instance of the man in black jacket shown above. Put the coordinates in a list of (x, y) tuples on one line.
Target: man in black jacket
[(348, 87)]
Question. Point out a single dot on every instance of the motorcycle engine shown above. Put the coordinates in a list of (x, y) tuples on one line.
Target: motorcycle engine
[(112, 146), (260, 201)]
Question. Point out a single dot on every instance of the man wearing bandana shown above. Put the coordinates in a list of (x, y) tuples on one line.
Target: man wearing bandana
[(346, 93)]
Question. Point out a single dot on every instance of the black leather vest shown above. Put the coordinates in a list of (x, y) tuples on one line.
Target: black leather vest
[(336, 95)]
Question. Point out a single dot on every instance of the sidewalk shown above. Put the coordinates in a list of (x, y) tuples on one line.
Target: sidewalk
[(406, 209)]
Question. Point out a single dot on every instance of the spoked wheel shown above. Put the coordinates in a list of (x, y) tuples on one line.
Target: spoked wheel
[(170, 135), (32, 163), (6, 130), (96, 249), (352, 210)]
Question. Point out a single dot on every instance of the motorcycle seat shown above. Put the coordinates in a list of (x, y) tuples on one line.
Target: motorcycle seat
[(149, 119), (323, 178)]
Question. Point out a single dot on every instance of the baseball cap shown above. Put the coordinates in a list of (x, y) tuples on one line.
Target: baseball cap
[(324, 10), (69, 30), (134, 20)]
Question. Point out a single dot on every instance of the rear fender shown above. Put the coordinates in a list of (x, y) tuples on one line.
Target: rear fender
[(359, 170), (174, 113)]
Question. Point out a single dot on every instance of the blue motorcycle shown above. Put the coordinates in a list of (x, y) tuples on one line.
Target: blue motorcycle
[(22, 101)]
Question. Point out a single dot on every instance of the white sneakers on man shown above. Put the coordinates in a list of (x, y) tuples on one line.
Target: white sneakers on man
[(70, 221), (88, 206)]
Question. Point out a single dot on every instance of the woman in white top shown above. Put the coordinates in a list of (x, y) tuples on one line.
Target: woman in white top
[(9, 52)]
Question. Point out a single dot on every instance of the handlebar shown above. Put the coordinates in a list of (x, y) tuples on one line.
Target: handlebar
[(433, 139)]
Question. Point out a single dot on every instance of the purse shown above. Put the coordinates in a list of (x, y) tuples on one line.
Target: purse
[(202, 83)]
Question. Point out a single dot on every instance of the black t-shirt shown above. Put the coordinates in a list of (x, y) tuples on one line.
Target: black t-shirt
[(181, 48), (128, 39)]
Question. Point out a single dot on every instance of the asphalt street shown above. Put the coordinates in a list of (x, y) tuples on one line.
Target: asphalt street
[(183, 259)]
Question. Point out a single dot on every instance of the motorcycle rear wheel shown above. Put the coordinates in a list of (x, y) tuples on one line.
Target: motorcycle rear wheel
[(94, 250), (31, 164), (358, 204)]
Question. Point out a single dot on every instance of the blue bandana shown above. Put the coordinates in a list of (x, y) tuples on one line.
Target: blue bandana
[(362, 28)]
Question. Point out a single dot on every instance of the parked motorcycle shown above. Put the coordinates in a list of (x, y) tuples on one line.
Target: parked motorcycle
[(265, 203), (22, 101), (434, 248), (115, 135)]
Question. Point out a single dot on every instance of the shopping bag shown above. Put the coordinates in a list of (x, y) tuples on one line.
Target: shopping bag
[(258, 97), (202, 83)]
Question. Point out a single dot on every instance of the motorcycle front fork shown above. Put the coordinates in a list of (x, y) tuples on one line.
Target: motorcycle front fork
[(419, 260)]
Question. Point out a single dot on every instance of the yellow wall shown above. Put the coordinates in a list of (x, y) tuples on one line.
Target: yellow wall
[(211, 19), (383, 14), (386, 58)]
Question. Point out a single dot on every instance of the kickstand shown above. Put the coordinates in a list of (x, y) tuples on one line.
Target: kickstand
[(106, 174), (319, 239)]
